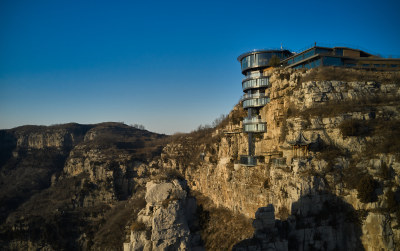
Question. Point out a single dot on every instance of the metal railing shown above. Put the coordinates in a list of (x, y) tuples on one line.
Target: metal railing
[(254, 95), (261, 127), (255, 83), (256, 102), (252, 120)]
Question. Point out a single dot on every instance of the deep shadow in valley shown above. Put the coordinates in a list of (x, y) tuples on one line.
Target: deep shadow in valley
[(318, 222)]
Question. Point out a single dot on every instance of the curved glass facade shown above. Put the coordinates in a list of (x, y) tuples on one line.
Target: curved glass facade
[(259, 127), (256, 60), (256, 102), (255, 83), (262, 58)]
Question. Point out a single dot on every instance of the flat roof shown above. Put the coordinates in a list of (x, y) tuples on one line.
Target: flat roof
[(258, 51), (329, 48)]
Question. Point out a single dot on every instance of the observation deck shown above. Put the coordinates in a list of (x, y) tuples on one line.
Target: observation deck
[(255, 101), (260, 58), (254, 124), (255, 83)]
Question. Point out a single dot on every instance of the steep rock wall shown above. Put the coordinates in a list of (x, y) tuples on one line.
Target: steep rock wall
[(318, 109)]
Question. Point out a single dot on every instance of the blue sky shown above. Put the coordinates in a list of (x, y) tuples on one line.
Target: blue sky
[(169, 65)]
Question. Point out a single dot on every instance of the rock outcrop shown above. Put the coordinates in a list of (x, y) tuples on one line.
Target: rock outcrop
[(168, 220)]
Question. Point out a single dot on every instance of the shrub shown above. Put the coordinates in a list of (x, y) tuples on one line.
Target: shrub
[(366, 189), (274, 61), (354, 127), (345, 74), (391, 201), (283, 213), (220, 227), (138, 226), (386, 172), (166, 202), (266, 184)]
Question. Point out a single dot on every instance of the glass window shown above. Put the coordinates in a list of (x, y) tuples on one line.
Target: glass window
[(332, 61), (309, 54), (254, 74), (339, 52), (245, 63), (264, 58), (322, 51)]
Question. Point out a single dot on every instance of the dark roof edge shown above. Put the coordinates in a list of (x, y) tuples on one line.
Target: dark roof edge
[(255, 51)]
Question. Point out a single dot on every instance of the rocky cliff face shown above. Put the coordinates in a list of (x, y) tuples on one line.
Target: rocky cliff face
[(168, 221), (73, 186), (350, 157)]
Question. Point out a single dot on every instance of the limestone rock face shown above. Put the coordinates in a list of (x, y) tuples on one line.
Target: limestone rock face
[(168, 217), (335, 162), (67, 187), (40, 137)]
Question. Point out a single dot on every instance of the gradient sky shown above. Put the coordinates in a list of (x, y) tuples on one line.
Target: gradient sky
[(169, 65)]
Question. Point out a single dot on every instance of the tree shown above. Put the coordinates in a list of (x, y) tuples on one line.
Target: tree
[(274, 61)]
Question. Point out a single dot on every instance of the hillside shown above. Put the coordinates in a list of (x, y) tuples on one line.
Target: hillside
[(72, 186), (95, 187)]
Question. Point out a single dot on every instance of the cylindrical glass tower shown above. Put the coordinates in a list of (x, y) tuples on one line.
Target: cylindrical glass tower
[(254, 84)]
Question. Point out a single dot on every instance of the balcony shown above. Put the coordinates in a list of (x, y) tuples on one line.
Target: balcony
[(258, 127), (255, 83), (247, 160), (252, 120), (253, 96), (254, 102)]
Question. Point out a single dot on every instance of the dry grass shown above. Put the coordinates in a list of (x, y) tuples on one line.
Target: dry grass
[(334, 108), (346, 74), (220, 228)]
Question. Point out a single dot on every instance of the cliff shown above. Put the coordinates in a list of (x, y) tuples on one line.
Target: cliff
[(72, 186), (95, 187), (350, 119)]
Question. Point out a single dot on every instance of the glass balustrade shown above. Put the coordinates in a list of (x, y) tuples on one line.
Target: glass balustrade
[(258, 127), (255, 83), (253, 95), (252, 120), (255, 102)]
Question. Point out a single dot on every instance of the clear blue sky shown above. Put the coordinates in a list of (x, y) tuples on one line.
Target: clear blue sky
[(169, 65)]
